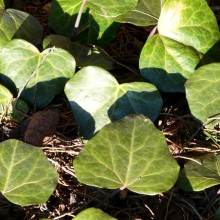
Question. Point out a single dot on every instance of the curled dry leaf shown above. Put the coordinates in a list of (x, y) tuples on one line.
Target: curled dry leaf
[(43, 124)]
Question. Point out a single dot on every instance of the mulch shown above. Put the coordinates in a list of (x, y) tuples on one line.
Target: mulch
[(70, 197)]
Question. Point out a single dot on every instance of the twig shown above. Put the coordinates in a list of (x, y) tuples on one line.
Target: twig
[(152, 33), (188, 158), (62, 167)]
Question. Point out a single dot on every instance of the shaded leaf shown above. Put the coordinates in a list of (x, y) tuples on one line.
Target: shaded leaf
[(204, 173), (190, 22), (45, 73), (167, 63), (93, 213), (18, 24), (96, 99), (26, 175), (128, 153), (202, 93), (93, 27), (83, 55)]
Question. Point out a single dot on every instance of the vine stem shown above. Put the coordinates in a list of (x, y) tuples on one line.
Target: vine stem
[(79, 14)]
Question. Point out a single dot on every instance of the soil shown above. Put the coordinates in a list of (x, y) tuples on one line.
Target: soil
[(60, 142)]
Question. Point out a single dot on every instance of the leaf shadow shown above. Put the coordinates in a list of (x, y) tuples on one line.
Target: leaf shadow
[(132, 102), (211, 56), (165, 82), (88, 30), (86, 123)]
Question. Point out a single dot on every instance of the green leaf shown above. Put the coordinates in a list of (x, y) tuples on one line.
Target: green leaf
[(202, 93), (11, 106), (18, 24), (96, 99), (26, 175), (204, 173), (167, 63), (113, 9), (83, 55), (144, 14), (217, 214), (93, 28), (93, 213), (45, 73), (190, 22), (129, 153), (5, 98)]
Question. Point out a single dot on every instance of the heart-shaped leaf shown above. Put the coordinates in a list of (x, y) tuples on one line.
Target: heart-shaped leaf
[(44, 73), (96, 99), (26, 175), (93, 213), (204, 173), (191, 30), (190, 22), (202, 93), (144, 14), (18, 24), (83, 55), (93, 27), (167, 63), (129, 153)]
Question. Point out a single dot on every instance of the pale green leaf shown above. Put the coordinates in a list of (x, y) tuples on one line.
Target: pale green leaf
[(113, 9), (129, 153), (84, 55), (5, 98), (18, 24), (96, 99), (44, 73), (26, 175), (167, 63), (190, 22), (202, 93), (200, 174), (93, 213), (144, 14), (8, 105)]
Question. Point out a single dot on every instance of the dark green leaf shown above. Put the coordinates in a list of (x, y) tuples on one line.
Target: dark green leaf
[(83, 55), (200, 175)]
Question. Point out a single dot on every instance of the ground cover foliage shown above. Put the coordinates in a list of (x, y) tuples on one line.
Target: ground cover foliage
[(111, 115)]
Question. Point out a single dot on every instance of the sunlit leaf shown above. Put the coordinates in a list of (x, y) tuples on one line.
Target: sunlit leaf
[(167, 63), (202, 93), (44, 73), (190, 22), (129, 153), (93, 213), (26, 175), (96, 99), (18, 24)]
